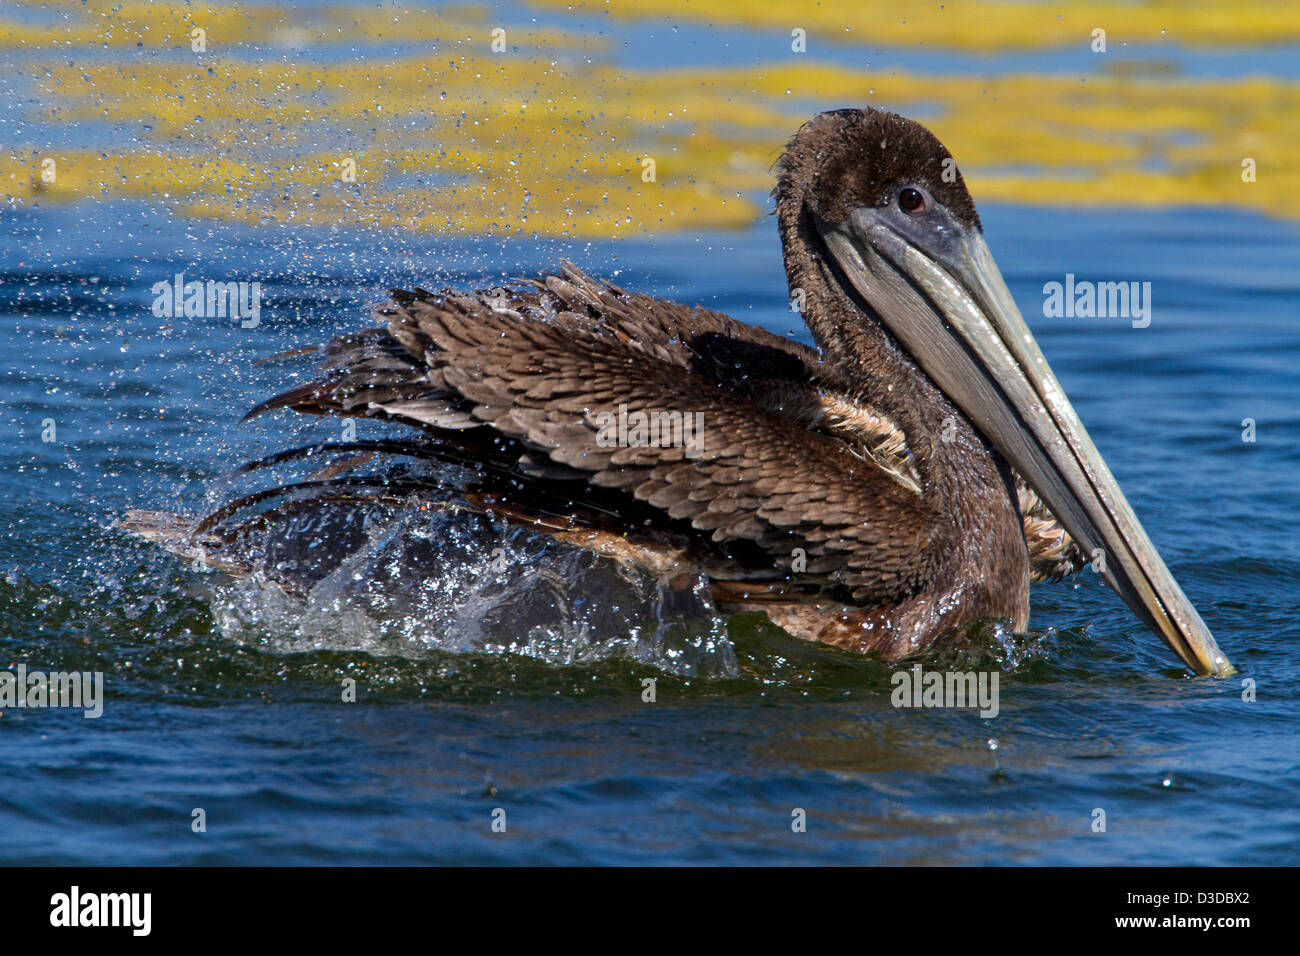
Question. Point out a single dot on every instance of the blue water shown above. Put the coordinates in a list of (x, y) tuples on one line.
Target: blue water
[(1096, 717)]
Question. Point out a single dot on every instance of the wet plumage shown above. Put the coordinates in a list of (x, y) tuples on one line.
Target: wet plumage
[(838, 489)]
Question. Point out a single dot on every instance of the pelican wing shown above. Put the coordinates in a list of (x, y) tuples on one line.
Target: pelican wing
[(720, 426)]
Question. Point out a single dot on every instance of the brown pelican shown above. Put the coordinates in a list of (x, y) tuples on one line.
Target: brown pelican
[(912, 474)]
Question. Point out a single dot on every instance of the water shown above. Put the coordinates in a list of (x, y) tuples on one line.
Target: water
[(247, 722)]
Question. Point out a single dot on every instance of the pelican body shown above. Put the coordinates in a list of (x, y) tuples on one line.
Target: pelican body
[(910, 475)]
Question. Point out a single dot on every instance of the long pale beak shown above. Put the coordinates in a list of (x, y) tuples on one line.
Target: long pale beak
[(950, 308)]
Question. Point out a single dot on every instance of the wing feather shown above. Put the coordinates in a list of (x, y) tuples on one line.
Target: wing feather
[(785, 461)]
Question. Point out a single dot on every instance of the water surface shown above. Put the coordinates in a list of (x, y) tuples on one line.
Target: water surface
[(1094, 714)]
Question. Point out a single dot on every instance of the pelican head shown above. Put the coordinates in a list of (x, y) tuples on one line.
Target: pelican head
[(882, 202)]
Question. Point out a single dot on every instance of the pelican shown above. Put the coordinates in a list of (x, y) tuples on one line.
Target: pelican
[(910, 475)]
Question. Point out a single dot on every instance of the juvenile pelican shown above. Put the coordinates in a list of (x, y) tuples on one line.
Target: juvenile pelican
[(910, 475)]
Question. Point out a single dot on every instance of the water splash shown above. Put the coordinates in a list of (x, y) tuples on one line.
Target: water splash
[(452, 581)]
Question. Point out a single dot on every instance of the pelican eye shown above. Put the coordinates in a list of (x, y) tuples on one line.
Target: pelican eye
[(911, 199)]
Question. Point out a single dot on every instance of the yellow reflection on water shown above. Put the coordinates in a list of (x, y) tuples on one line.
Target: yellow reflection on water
[(277, 118), (983, 25)]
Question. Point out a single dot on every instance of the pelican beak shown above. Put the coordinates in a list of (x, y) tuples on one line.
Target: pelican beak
[(937, 290)]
